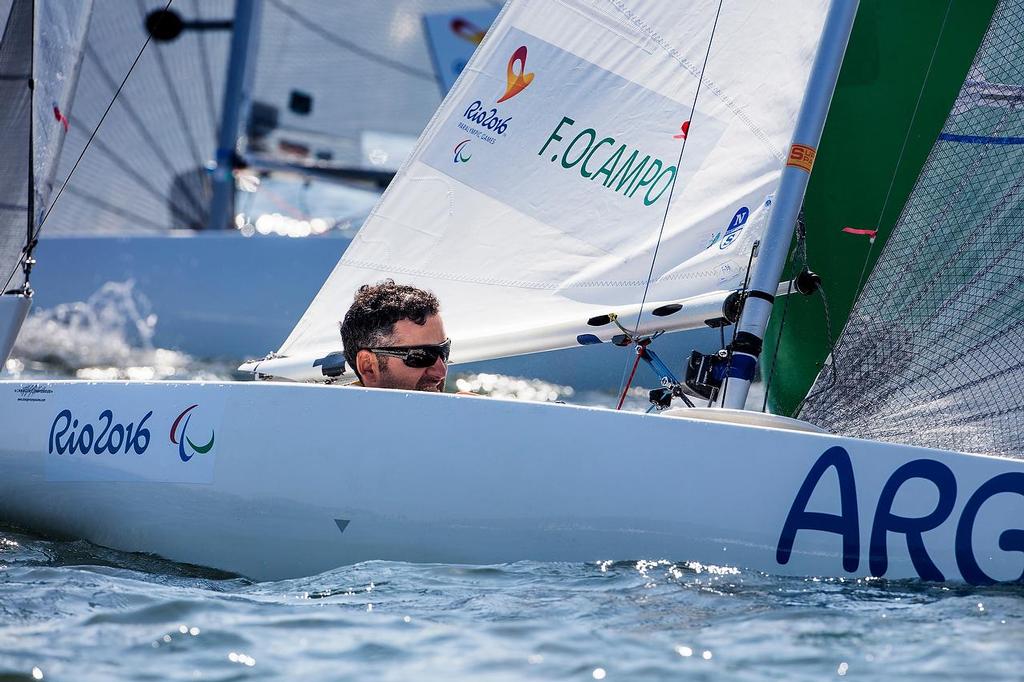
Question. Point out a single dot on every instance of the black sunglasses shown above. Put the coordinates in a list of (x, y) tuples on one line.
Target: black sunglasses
[(417, 356)]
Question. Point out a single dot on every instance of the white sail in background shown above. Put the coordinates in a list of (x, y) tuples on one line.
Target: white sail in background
[(367, 69), (46, 38), (550, 176), (367, 74)]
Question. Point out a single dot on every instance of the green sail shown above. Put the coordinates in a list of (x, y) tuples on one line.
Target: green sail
[(894, 48)]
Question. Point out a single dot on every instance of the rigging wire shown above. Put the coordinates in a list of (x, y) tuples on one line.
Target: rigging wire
[(672, 187), (153, 143), (778, 342), (35, 235), (834, 379)]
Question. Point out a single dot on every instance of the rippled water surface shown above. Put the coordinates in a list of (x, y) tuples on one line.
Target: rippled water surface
[(73, 611)]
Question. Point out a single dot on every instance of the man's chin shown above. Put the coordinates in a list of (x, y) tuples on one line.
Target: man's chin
[(432, 386)]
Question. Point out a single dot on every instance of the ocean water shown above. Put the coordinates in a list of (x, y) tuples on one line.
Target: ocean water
[(70, 610)]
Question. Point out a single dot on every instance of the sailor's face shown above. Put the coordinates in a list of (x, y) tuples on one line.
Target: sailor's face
[(394, 373)]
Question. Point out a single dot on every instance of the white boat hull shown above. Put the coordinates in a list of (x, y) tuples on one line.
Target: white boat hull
[(14, 309), (298, 479)]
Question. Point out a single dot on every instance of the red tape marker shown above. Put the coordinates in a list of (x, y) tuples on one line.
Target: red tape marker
[(61, 118), (856, 230)]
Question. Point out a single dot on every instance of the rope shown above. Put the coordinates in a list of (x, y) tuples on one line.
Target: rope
[(625, 389), (834, 379), (799, 251)]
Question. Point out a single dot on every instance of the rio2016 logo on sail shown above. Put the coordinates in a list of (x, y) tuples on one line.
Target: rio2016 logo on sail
[(179, 436), (108, 435), (490, 118)]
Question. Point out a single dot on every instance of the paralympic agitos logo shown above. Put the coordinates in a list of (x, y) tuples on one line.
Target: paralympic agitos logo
[(179, 436)]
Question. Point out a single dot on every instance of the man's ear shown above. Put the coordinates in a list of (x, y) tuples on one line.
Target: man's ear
[(368, 367)]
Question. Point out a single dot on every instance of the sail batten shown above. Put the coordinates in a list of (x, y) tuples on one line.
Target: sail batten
[(589, 153)]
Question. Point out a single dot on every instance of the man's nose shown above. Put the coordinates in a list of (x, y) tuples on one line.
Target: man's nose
[(438, 369)]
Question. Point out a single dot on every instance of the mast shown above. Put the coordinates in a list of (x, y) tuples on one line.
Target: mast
[(15, 303), (234, 93), (767, 269), (31, 217)]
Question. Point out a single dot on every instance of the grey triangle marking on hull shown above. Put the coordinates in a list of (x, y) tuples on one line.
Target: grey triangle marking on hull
[(342, 524)]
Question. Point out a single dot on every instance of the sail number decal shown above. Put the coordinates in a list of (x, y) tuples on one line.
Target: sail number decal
[(846, 524), (600, 158), (106, 435)]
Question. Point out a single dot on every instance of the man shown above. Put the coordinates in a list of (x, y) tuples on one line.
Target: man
[(393, 337)]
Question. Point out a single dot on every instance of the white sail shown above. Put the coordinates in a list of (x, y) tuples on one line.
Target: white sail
[(352, 85), (41, 42), (588, 149), (367, 73)]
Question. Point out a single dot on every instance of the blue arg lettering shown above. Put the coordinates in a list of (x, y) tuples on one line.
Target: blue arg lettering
[(885, 521), (1011, 540), (844, 524)]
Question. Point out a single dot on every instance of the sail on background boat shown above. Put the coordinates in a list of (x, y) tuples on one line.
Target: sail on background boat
[(40, 51), (324, 78), (15, 71), (41, 41), (931, 355), (656, 192)]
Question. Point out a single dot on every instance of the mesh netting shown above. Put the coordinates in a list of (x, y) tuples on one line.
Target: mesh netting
[(933, 353)]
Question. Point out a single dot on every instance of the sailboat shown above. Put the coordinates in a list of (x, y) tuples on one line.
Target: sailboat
[(599, 173)]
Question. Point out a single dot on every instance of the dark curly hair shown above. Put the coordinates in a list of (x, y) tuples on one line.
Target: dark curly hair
[(375, 310)]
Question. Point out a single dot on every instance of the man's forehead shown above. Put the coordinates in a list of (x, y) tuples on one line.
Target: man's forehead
[(408, 333)]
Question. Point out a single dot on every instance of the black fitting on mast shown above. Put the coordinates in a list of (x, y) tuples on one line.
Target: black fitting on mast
[(807, 281), (165, 25)]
